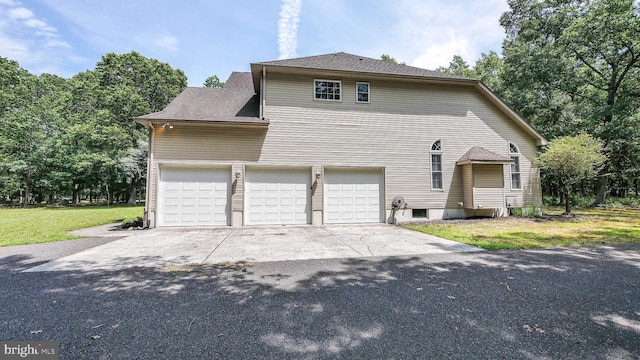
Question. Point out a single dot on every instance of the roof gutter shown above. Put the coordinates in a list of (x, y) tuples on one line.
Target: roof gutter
[(151, 146), (263, 89), (484, 162), (257, 123)]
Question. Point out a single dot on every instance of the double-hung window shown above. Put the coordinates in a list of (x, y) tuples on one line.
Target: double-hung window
[(362, 92), (327, 90), (514, 154), (436, 165)]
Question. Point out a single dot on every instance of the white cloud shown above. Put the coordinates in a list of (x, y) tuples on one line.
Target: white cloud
[(14, 50), (57, 43), (30, 40), (440, 53), (430, 33), (288, 28), (167, 42), (20, 13)]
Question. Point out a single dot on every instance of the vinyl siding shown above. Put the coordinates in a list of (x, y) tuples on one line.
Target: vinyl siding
[(487, 176), (394, 131), (467, 174), (488, 189), (488, 198)]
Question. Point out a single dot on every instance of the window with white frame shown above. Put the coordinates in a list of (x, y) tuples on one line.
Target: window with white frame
[(362, 92), (436, 165), (514, 154), (327, 90)]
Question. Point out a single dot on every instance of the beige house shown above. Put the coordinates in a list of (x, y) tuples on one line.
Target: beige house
[(334, 139)]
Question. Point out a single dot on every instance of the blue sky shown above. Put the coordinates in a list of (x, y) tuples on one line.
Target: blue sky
[(207, 37)]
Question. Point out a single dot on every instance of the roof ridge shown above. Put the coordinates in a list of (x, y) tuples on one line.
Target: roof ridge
[(342, 61)]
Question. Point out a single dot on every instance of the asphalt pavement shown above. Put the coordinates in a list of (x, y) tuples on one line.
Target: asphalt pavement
[(577, 303)]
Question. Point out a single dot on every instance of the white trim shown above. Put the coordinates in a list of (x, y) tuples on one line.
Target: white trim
[(515, 156), (368, 92), (332, 174), (327, 80), (160, 206), (441, 171), (251, 176)]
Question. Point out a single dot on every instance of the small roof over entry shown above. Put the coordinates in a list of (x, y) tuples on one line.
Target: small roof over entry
[(480, 155)]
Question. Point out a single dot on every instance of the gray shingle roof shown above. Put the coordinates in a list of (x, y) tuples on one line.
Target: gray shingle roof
[(480, 154), (353, 63), (236, 102)]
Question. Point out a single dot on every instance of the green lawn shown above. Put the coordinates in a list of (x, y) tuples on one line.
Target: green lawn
[(38, 225), (590, 227)]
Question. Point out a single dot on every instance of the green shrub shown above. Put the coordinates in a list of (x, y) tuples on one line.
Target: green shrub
[(579, 201), (132, 222)]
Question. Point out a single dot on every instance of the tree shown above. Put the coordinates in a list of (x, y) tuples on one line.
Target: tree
[(571, 159), (390, 59), (458, 67), (488, 69), (577, 61), (133, 85), (62, 136), (31, 126), (213, 82)]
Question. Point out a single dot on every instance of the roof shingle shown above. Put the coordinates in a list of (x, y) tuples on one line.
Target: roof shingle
[(480, 154), (235, 102), (353, 63)]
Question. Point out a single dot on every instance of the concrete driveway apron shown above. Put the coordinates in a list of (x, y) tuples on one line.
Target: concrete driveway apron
[(194, 246)]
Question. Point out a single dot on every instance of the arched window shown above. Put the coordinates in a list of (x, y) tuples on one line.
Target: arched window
[(514, 154), (436, 165)]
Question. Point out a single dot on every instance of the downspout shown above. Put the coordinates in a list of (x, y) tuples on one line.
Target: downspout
[(263, 88), (149, 164)]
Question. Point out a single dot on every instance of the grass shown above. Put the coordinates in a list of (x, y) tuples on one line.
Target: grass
[(39, 225), (589, 227)]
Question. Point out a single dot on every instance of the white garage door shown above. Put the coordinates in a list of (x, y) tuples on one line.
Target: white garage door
[(193, 196), (352, 196), (277, 197)]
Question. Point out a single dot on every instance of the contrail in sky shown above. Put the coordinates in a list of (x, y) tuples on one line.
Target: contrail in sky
[(288, 28)]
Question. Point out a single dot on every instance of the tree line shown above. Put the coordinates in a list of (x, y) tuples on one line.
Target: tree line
[(570, 68), (66, 139)]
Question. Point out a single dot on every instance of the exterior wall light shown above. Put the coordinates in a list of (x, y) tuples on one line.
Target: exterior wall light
[(317, 174), (167, 125), (237, 174)]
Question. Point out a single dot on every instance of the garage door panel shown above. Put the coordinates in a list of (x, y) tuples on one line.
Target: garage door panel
[(204, 217), (205, 202), (188, 201), (172, 187), (194, 196), (352, 196), (171, 202), (278, 196)]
